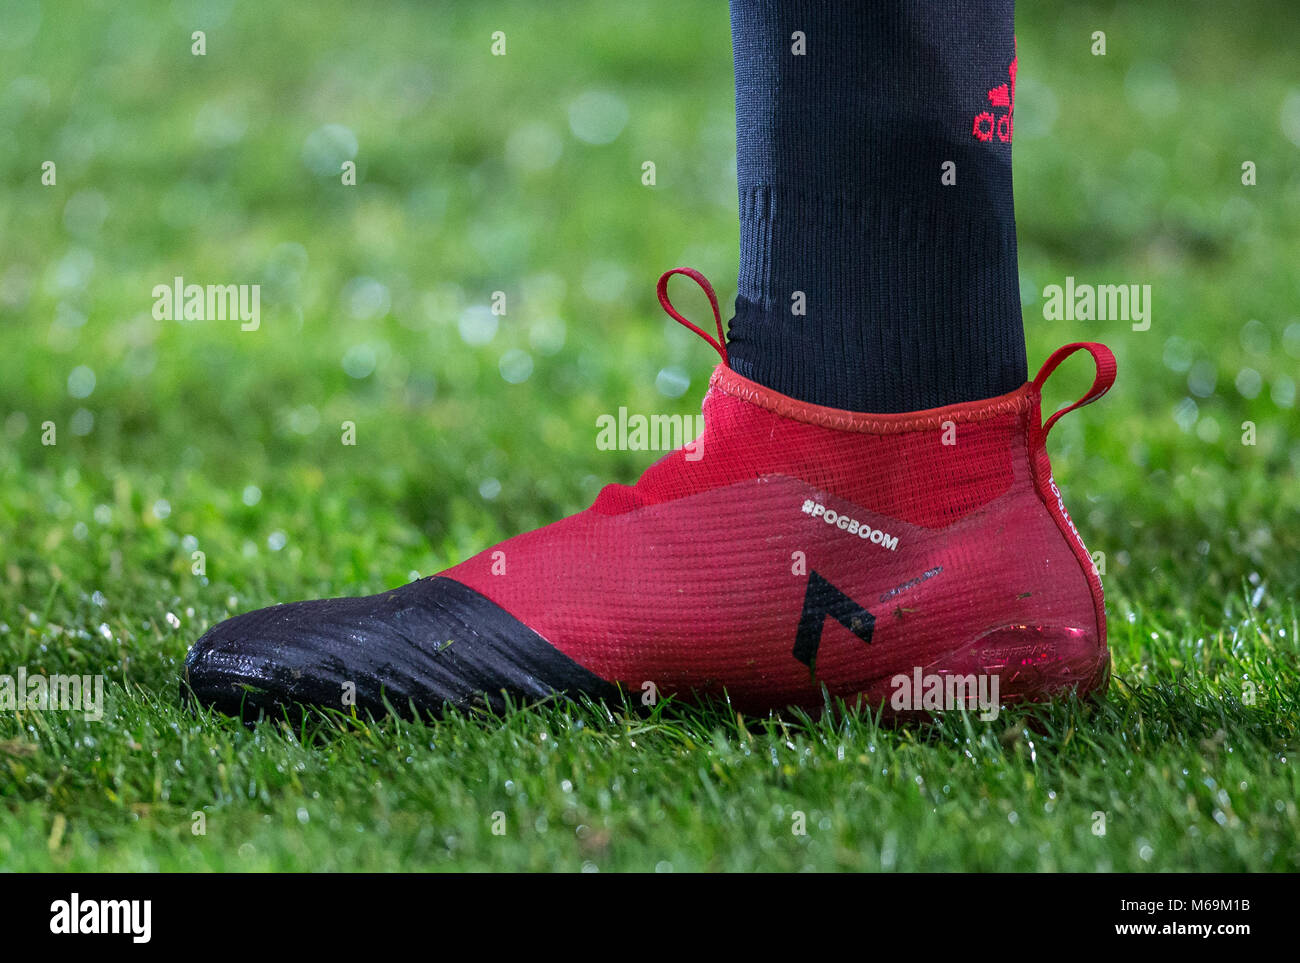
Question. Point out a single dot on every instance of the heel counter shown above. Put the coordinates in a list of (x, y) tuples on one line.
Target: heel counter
[(1050, 495), (1044, 483)]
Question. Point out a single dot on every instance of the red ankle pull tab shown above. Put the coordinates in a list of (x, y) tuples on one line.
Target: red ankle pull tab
[(721, 343), (1100, 384)]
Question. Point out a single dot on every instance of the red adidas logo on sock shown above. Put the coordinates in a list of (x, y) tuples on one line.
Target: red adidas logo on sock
[(1003, 95)]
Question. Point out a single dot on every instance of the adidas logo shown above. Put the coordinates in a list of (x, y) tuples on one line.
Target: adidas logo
[(1003, 95)]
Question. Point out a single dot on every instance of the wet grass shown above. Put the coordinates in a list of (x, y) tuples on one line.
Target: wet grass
[(179, 438)]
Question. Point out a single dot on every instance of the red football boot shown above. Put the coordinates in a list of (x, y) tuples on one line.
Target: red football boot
[(791, 549)]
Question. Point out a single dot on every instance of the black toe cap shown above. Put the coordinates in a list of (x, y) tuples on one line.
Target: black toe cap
[(423, 645)]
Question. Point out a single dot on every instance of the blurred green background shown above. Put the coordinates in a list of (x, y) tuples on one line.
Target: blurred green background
[(522, 174)]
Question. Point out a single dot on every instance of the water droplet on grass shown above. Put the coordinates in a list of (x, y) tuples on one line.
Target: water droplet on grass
[(1283, 392), (516, 366), (83, 422), (326, 148), (597, 117), (477, 325), (672, 381), (359, 361)]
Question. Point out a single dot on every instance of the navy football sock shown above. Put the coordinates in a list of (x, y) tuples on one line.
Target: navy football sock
[(877, 233)]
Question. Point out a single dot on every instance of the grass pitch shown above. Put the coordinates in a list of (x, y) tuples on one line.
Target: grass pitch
[(473, 176)]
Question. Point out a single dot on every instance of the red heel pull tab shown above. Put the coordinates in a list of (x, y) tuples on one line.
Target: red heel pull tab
[(1105, 377), (720, 344)]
